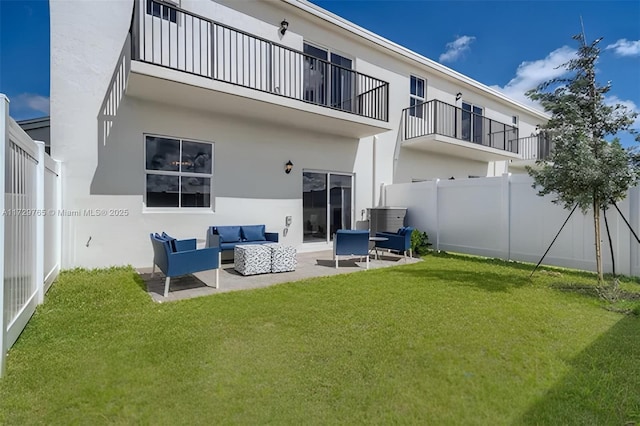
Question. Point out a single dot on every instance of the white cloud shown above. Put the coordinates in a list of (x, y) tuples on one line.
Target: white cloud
[(456, 48), (29, 104), (530, 74), (624, 47)]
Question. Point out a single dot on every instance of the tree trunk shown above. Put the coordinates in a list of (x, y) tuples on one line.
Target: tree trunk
[(596, 225)]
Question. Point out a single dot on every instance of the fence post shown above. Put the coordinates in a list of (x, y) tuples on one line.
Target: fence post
[(4, 143), (634, 220), (59, 215), (505, 215), (40, 208), (436, 208)]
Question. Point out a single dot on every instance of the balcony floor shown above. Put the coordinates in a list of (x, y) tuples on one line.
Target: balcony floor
[(164, 85), (452, 147)]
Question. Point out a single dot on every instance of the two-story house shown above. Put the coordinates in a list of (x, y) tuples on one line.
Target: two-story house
[(174, 116)]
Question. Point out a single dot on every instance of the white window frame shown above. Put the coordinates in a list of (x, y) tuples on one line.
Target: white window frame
[(416, 97), (204, 209)]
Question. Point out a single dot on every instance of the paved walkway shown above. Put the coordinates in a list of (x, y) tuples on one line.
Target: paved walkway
[(314, 264)]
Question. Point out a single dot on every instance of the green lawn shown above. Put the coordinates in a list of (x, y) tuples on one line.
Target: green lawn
[(451, 340)]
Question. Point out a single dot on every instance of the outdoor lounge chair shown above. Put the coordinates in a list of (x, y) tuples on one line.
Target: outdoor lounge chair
[(350, 243), (180, 257), (399, 241)]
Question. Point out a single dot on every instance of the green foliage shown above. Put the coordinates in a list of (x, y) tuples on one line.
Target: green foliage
[(584, 168), (419, 242)]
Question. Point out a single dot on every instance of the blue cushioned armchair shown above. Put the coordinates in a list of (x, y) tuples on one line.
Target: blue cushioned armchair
[(180, 257), (399, 241), (349, 243)]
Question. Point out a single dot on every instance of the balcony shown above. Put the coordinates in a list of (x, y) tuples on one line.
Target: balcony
[(435, 126), (185, 59), (537, 147), (532, 149)]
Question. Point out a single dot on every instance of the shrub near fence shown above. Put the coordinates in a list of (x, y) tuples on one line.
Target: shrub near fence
[(30, 237), (503, 217)]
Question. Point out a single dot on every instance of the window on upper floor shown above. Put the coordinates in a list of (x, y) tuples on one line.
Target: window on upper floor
[(328, 79), (473, 123), (514, 120), (178, 172), (161, 11), (417, 89)]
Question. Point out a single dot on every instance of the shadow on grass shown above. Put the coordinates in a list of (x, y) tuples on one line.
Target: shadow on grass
[(522, 266), (603, 385), (156, 284), (488, 281), (140, 282)]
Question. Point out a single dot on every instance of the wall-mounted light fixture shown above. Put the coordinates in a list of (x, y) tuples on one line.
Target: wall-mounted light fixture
[(458, 96), (284, 26), (288, 167)]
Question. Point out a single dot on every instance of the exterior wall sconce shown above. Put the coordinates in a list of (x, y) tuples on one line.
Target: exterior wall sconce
[(288, 167), (284, 26), (458, 96)]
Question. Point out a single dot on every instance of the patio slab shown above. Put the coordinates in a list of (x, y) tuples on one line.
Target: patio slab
[(310, 264)]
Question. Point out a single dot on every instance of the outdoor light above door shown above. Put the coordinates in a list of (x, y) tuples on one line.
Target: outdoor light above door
[(288, 167)]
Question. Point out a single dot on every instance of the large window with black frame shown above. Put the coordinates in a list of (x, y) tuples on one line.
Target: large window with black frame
[(178, 172)]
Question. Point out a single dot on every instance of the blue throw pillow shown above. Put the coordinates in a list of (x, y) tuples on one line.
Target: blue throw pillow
[(171, 241), (253, 233), (228, 234)]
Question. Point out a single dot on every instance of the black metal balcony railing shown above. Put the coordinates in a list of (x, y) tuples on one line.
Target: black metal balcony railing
[(536, 147), (439, 118), (168, 36)]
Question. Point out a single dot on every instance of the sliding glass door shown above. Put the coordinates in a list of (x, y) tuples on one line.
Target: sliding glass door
[(327, 204)]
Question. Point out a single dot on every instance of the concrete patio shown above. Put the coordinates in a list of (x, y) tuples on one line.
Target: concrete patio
[(311, 264)]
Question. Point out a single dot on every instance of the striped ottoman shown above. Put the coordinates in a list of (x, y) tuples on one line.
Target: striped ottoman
[(283, 258), (252, 259)]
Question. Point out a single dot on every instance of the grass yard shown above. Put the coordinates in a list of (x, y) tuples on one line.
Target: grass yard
[(451, 340)]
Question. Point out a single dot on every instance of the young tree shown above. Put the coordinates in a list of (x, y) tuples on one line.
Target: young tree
[(584, 168)]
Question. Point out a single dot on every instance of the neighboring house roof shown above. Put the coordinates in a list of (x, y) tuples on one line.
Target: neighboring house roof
[(409, 54), (34, 123), (38, 129)]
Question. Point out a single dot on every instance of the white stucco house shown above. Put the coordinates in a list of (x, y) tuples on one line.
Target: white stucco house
[(175, 116)]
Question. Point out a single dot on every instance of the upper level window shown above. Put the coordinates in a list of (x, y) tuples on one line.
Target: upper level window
[(514, 120), (473, 123), (161, 11), (178, 172), (416, 96), (328, 79)]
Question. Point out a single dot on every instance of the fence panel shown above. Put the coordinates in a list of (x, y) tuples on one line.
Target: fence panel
[(30, 181), (504, 217), (20, 288)]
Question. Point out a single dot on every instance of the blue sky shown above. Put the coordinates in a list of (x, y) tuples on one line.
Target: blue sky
[(510, 45)]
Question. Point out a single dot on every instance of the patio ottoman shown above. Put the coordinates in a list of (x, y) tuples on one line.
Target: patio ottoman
[(252, 259), (283, 258)]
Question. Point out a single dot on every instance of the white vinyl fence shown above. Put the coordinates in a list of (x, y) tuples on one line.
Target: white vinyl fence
[(29, 227), (503, 217)]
